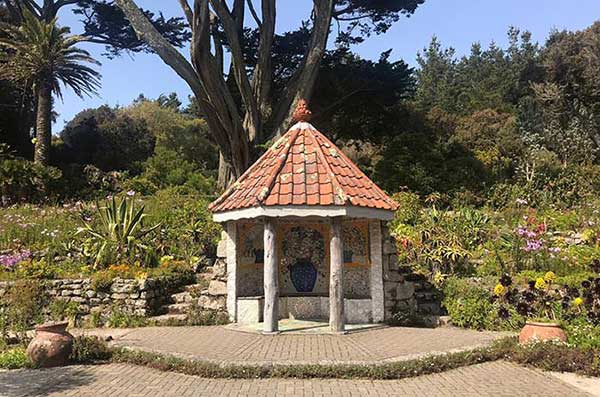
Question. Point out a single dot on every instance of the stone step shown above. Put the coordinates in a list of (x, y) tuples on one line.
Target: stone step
[(182, 297), (176, 308), (196, 287), (167, 319), (445, 321)]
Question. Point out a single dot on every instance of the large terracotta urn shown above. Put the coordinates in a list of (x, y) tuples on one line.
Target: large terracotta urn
[(51, 346), (542, 332)]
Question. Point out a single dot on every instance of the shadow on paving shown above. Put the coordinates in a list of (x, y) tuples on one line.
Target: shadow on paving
[(41, 382)]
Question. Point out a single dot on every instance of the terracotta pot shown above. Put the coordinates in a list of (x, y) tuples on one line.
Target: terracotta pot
[(51, 346), (533, 331)]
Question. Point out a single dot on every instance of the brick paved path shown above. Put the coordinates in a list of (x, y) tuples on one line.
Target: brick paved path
[(223, 345), (121, 380)]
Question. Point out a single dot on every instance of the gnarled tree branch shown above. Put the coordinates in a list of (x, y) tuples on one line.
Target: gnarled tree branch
[(302, 83)]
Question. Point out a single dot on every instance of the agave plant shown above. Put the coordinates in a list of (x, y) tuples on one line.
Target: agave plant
[(120, 232)]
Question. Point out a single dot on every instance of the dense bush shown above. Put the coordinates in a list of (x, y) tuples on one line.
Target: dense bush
[(187, 230), (23, 181), (167, 169), (107, 139), (469, 305), (89, 349), (441, 242)]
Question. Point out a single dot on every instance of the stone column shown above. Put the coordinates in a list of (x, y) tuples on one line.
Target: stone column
[(271, 283), (336, 278), (377, 291), (231, 241)]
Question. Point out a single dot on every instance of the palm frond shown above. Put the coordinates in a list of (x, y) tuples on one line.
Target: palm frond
[(39, 51)]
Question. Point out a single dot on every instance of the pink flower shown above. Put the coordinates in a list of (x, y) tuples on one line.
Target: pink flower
[(533, 245), (130, 193)]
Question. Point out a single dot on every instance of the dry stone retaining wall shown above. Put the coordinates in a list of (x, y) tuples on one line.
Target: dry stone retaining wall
[(406, 292), (139, 297)]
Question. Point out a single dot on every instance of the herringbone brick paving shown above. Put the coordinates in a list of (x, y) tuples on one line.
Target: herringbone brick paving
[(123, 380), (223, 345)]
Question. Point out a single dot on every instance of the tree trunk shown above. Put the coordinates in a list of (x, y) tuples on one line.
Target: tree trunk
[(225, 177), (43, 125)]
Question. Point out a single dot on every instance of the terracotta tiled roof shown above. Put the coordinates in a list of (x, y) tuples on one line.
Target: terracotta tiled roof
[(303, 168)]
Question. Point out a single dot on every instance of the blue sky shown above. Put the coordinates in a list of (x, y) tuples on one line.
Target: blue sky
[(457, 23)]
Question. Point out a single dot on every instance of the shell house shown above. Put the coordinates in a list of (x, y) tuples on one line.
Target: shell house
[(303, 230)]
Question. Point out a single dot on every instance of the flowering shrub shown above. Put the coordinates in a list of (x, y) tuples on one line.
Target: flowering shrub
[(10, 261), (577, 308), (177, 271), (537, 301), (442, 241)]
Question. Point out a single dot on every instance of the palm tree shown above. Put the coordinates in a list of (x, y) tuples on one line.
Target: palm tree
[(42, 56)]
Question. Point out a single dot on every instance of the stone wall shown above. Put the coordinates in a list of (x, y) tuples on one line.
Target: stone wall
[(139, 297), (211, 293), (406, 292)]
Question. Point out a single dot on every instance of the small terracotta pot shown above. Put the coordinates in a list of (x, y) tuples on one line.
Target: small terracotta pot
[(51, 346), (533, 331)]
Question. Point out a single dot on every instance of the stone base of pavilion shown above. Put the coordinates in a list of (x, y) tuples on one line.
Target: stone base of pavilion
[(302, 327)]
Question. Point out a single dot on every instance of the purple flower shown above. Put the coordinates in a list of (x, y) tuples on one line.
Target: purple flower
[(10, 261), (521, 231), (533, 245), (130, 193)]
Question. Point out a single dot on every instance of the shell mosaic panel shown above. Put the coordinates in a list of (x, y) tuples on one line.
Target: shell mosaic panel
[(304, 259), (357, 273), (303, 264), (250, 259)]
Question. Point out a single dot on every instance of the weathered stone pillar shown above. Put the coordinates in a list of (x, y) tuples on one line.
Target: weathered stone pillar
[(336, 277), (231, 241), (377, 291), (271, 283)]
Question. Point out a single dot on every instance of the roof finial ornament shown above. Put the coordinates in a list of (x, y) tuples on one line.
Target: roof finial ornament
[(302, 112)]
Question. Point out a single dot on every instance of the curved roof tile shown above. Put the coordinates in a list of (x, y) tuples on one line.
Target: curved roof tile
[(303, 168)]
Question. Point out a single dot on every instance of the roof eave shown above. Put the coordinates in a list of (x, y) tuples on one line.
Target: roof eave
[(324, 211)]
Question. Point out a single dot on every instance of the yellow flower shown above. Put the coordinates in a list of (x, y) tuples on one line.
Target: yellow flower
[(166, 259), (141, 275), (438, 278), (549, 277), (499, 289), (540, 283), (577, 301)]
